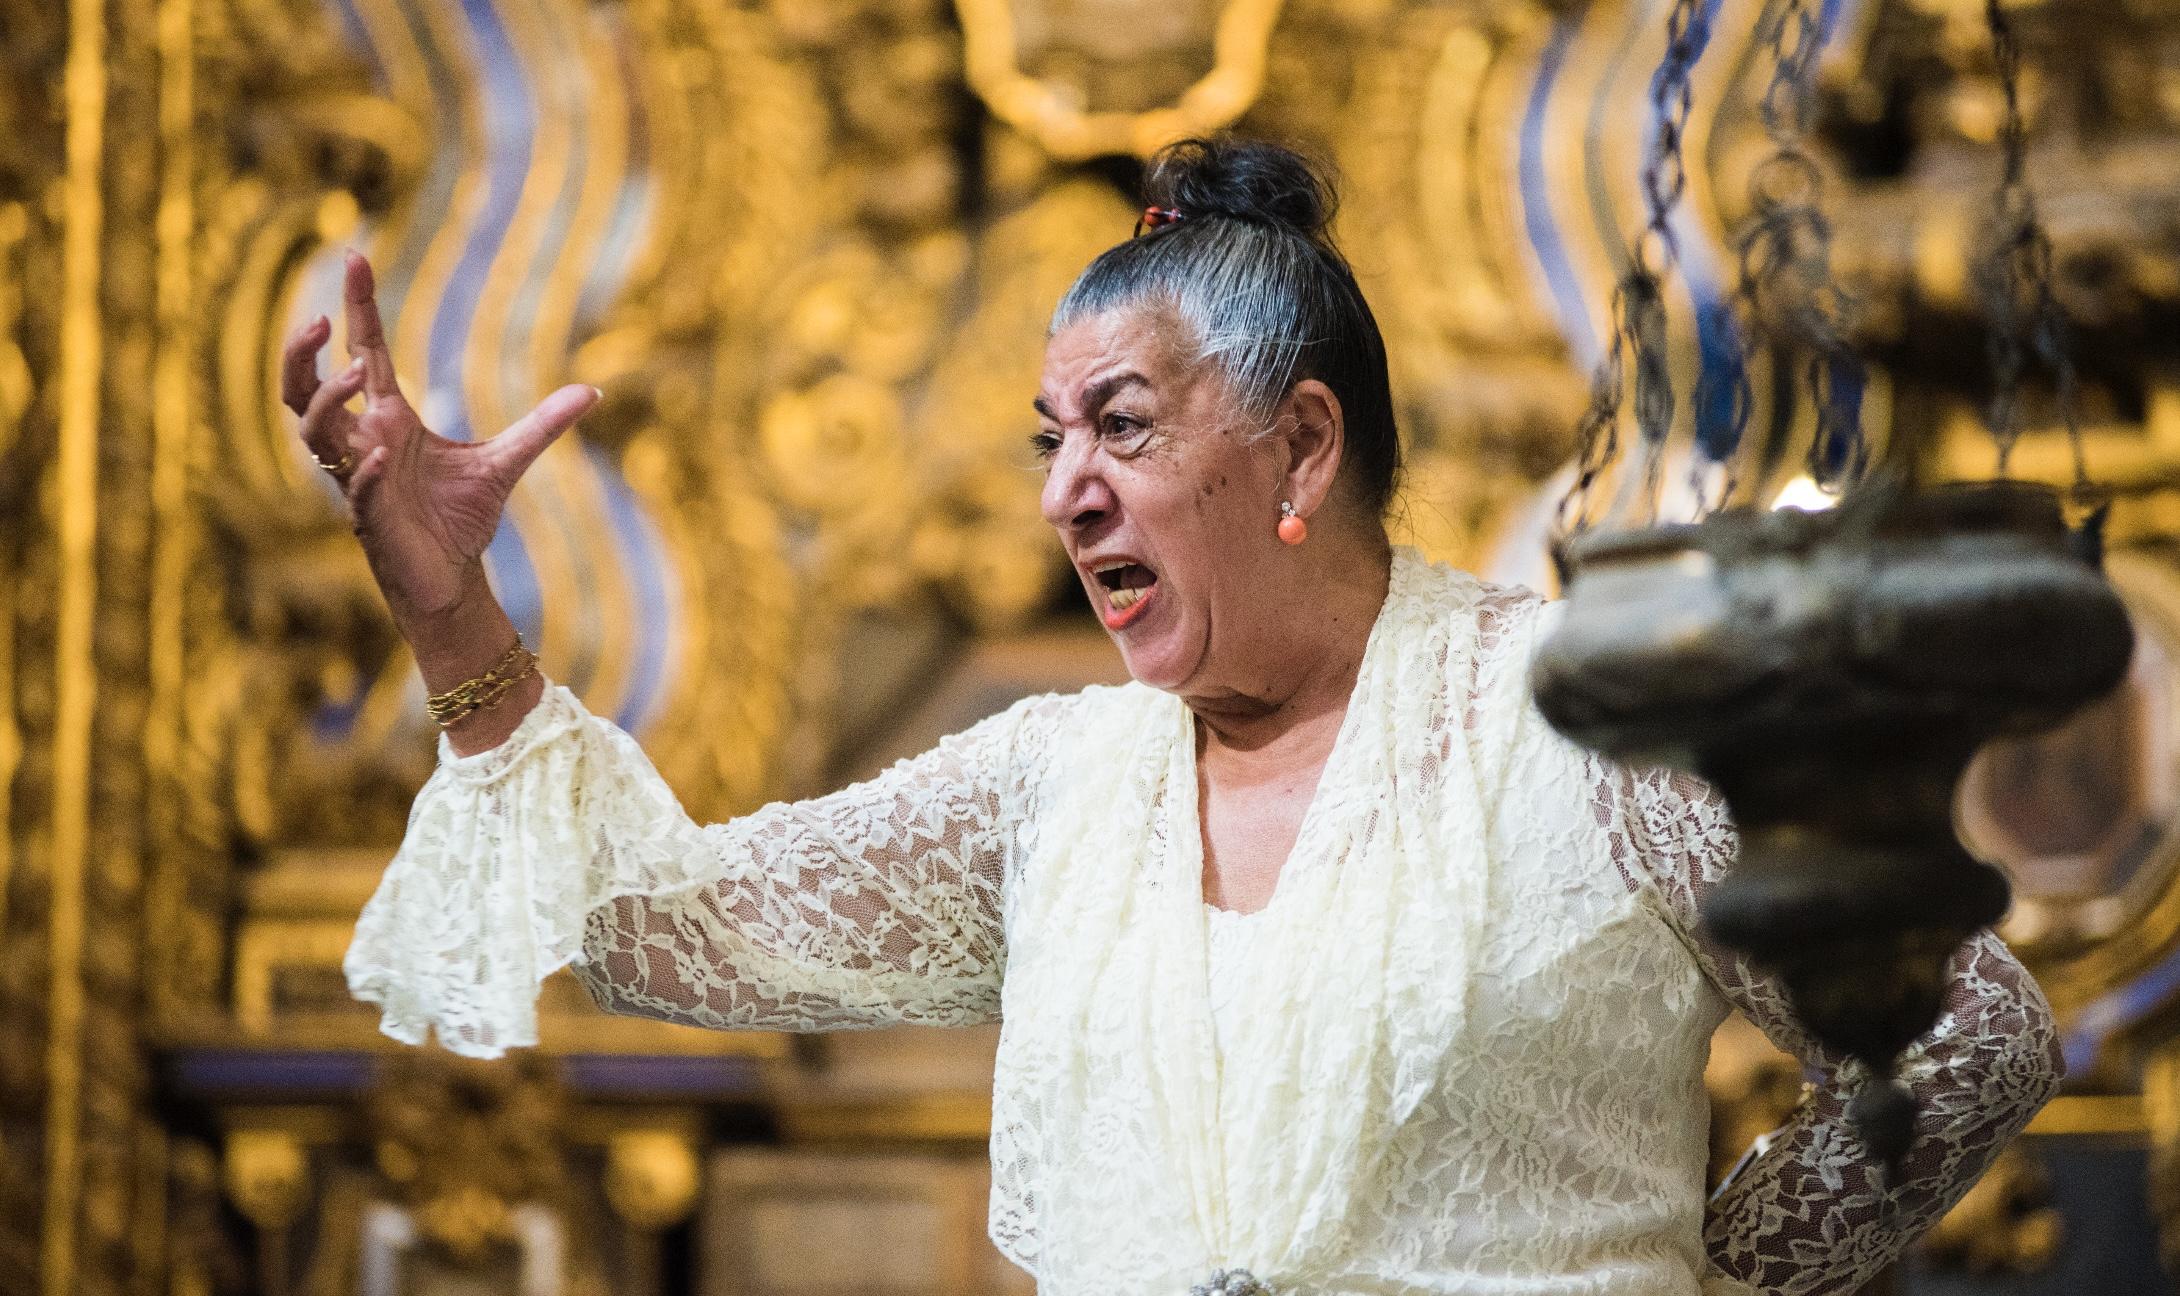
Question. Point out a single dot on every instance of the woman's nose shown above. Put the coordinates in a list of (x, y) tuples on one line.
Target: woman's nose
[(1076, 493)]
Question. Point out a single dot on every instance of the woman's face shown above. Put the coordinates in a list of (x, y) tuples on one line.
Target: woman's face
[(1164, 497)]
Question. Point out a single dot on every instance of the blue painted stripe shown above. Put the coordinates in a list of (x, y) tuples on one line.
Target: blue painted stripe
[(1830, 15), (2120, 1008), (397, 266), (649, 572), (617, 249), (1718, 342), (1545, 238), (510, 127), (564, 76), (237, 1071), (509, 114), (359, 39)]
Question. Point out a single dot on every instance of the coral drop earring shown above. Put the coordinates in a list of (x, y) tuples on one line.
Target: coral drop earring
[(1292, 528)]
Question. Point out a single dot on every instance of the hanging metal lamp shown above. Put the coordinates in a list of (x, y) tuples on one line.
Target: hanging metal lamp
[(1832, 673)]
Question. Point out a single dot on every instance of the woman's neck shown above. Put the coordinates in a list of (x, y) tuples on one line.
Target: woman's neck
[(1298, 691)]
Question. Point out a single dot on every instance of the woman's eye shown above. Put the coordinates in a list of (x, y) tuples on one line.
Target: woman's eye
[(1126, 429)]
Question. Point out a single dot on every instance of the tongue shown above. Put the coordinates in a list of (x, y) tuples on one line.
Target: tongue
[(1136, 576)]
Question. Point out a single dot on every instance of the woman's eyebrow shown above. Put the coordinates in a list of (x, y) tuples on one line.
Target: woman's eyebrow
[(1097, 393)]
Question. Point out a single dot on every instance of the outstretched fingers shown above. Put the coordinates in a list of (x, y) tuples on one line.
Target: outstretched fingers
[(299, 363), (363, 483), (325, 423), (512, 452), (366, 335)]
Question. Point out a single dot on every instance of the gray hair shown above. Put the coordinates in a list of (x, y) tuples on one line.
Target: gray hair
[(1249, 268)]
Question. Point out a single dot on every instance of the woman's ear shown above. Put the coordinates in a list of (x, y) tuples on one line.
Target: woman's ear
[(1316, 436)]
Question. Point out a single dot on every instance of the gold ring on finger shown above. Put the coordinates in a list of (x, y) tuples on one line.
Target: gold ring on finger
[(339, 468)]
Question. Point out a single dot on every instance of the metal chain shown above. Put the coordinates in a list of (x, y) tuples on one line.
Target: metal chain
[(1638, 300), (1788, 292), (2015, 275), (1665, 169)]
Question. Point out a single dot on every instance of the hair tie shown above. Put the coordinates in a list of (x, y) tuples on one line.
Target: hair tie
[(1156, 218)]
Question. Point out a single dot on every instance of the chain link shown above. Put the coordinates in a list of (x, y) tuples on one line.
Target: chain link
[(1788, 292), (1787, 288), (1638, 300), (2015, 275)]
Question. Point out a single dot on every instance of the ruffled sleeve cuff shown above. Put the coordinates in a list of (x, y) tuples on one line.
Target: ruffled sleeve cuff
[(489, 891)]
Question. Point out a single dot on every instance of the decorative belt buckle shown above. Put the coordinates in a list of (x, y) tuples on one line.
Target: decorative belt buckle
[(1231, 1282)]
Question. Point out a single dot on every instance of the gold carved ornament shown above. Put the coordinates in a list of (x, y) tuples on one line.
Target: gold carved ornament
[(1061, 125)]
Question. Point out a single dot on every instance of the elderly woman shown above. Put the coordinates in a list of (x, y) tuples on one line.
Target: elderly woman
[(1323, 965)]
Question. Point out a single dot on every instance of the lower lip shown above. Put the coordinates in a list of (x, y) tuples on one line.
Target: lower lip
[(1134, 612)]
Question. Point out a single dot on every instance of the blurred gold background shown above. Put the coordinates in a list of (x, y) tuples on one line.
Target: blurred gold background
[(807, 247)]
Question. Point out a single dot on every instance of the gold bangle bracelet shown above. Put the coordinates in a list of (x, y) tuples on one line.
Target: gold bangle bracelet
[(481, 691)]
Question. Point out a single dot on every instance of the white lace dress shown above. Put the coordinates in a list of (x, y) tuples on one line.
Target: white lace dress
[(1460, 1053)]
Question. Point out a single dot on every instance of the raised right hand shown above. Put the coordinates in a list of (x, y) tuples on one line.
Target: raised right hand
[(424, 506)]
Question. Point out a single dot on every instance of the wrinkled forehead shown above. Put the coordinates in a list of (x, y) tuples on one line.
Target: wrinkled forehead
[(1140, 346)]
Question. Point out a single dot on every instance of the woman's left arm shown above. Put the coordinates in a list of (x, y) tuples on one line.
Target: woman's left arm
[(1812, 1215)]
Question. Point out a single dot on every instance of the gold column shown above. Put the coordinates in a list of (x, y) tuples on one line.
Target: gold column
[(173, 398), (75, 505)]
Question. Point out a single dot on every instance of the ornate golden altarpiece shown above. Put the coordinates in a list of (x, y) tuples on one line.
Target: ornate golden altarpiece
[(807, 247)]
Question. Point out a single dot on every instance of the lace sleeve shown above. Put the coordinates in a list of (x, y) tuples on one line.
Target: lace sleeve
[(1810, 1216), (877, 904)]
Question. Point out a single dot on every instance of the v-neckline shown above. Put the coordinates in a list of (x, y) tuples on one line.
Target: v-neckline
[(1188, 848), (1305, 834)]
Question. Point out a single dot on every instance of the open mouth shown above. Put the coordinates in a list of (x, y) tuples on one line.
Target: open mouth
[(1128, 587)]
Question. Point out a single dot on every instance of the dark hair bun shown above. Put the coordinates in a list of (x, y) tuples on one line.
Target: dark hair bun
[(1243, 179)]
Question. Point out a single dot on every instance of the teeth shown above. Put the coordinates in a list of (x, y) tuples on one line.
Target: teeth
[(1123, 599)]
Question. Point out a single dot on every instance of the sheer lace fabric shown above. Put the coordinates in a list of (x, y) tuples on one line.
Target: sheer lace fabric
[(1523, 1113)]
